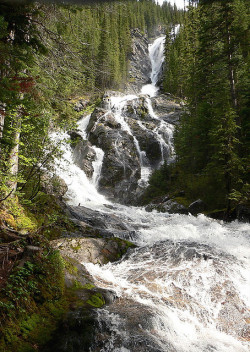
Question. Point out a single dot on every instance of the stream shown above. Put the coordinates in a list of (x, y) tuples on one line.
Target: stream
[(186, 287)]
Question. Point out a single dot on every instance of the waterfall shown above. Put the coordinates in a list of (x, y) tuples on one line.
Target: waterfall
[(156, 55), (185, 288), (81, 190)]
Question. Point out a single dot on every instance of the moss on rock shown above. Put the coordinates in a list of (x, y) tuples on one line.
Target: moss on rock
[(96, 300)]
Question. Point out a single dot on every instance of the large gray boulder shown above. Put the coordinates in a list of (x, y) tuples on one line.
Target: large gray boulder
[(138, 109), (91, 250), (197, 207), (121, 163), (54, 185), (170, 206)]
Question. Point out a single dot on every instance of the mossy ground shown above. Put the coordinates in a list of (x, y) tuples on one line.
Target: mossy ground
[(32, 302), (33, 298)]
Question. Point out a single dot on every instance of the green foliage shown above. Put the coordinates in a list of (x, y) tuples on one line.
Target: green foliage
[(89, 286), (32, 301)]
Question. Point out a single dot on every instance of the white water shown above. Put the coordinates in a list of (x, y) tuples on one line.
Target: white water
[(185, 288), (192, 277), (81, 190), (156, 55)]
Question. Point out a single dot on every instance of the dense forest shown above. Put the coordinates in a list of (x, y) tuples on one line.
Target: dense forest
[(207, 65)]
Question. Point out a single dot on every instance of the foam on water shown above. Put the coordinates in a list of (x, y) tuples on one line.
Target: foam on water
[(184, 271), (80, 189)]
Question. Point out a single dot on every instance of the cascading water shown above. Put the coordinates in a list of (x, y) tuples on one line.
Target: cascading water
[(156, 55), (185, 288)]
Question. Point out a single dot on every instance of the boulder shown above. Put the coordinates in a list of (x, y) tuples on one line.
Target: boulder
[(148, 142), (170, 206), (81, 105), (84, 155), (138, 109), (197, 207), (91, 250), (173, 207), (74, 136), (54, 185), (168, 108), (243, 213), (98, 221)]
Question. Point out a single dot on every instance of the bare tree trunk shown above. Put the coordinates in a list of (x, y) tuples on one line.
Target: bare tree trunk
[(15, 151), (231, 73), (2, 118)]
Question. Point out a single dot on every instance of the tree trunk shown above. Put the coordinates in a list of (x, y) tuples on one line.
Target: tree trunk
[(15, 151), (231, 73), (2, 118)]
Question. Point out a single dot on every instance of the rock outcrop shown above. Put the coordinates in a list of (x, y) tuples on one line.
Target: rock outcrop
[(101, 224), (91, 250), (169, 206), (121, 164), (139, 63), (168, 108), (197, 207)]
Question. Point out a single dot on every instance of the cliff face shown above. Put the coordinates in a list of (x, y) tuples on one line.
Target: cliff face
[(139, 63)]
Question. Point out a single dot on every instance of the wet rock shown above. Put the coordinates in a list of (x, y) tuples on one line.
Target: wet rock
[(54, 185), (106, 225), (84, 155), (75, 333), (170, 206), (138, 109), (91, 250), (167, 108), (197, 207), (81, 105), (122, 328), (148, 142), (121, 164), (74, 136), (173, 207)]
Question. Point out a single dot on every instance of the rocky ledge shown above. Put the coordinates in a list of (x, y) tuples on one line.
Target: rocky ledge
[(92, 250)]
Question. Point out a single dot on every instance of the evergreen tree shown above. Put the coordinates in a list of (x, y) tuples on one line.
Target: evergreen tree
[(210, 56)]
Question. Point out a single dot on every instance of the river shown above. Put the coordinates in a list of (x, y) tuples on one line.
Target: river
[(186, 287)]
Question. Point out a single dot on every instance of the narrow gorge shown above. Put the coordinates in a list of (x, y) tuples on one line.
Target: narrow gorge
[(184, 287)]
